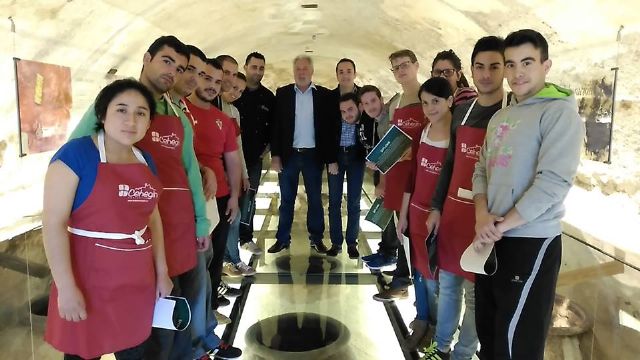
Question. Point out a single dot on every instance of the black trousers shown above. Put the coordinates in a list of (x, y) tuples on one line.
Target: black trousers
[(218, 244), (134, 353), (513, 307)]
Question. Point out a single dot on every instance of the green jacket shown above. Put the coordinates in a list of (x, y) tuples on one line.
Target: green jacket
[(191, 167)]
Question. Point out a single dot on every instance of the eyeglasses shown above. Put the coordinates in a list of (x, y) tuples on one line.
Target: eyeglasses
[(402, 66), (446, 72)]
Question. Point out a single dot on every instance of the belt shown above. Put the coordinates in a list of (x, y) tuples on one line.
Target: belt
[(347, 148), (137, 235), (301, 150)]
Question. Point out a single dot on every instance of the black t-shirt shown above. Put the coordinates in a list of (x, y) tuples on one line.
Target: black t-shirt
[(478, 118)]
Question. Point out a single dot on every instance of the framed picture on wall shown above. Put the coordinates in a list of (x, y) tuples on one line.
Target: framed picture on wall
[(44, 105)]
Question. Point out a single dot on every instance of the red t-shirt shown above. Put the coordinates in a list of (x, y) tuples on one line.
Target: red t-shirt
[(214, 135)]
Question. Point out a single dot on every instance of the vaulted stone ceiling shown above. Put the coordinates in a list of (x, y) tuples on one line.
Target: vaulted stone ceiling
[(93, 36)]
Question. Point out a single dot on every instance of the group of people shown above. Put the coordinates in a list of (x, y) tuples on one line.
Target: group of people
[(147, 198)]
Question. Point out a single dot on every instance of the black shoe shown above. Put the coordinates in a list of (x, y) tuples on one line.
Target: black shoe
[(222, 301), (226, 351), (353, 251), (335, 250), (277, 247), (319, 247), (224, 289)]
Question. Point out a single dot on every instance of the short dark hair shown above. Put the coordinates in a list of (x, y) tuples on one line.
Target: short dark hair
[(109, 92), (450, 55), (369, 88), (170, 41), (256, 55), (346, 60), (528, 36), (229, 58), (350, 97), (242, 77), (488, 43), (437, 86), (194, 51), (215, 63), (403, 53)]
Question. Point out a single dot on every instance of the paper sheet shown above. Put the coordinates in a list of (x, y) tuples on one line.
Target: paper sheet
[(212, 214), (480, 262), (163, 314)]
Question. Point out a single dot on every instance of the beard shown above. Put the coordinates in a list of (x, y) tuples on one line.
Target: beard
[(204, 96)]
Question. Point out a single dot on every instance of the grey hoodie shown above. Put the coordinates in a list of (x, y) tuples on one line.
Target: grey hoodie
[(529, 159)]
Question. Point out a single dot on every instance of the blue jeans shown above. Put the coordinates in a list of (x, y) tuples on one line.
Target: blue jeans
[(232, 252), (311, 169), (449, 307), (203, 321), (351, 165), (426, 297), (246, 230)]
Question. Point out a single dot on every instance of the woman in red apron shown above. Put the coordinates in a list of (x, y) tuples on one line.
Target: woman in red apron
[(436, 98), (100, 208)]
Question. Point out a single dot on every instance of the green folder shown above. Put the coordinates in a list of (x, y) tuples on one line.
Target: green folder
[(391, 148), (378, 214)]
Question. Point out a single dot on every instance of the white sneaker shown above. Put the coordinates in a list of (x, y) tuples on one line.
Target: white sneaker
[(231, 270), (252, 248), (245, 269), (221, 318)]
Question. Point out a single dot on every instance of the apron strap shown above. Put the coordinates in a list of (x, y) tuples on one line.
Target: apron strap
[(101, 149), (137, 235), (171, 105), (103, 152), (466, 116)]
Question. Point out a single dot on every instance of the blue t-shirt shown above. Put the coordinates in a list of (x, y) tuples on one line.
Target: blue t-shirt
[(82, 156)]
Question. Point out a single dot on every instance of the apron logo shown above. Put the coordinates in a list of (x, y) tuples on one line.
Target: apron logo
[(433, 167), (472, 152), (409, 123), (219, 123), (139, 194), (169, 141)]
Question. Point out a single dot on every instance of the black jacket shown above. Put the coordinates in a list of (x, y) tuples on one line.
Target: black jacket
[(256, 109), (324, 115)]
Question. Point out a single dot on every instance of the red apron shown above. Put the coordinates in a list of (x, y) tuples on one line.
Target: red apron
[(164, 141), (411, 120), (429, 163), (457, 224), (112, 262)]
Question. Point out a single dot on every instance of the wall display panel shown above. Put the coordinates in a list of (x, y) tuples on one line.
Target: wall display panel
[(44, 105)]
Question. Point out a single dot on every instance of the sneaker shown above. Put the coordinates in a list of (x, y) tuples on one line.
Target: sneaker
[(371, 257), (389, 294), (352, 250), (224, 289), (319, 247), (226, 351), (221, 318), (335, 250), (380, 262), (245, 269), (432, 353), (231, 270), (389, 273), (252, 248), (222, 301)]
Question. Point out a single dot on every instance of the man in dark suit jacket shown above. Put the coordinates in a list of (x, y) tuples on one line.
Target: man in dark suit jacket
[(302, 141)]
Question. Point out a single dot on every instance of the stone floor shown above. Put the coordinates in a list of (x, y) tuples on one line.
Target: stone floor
[(325, 304)]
